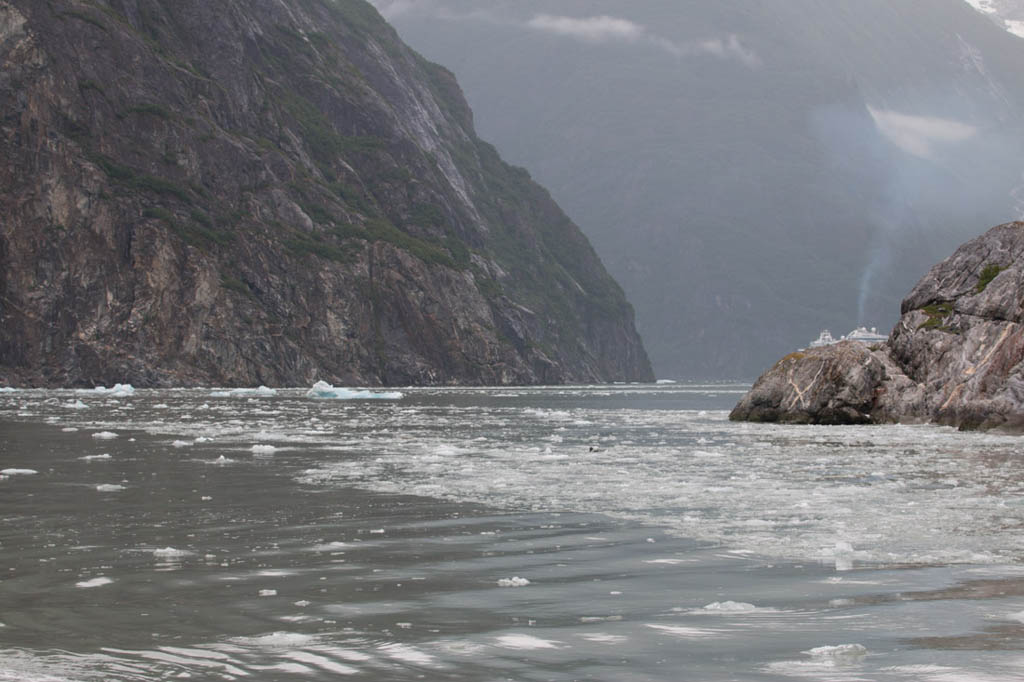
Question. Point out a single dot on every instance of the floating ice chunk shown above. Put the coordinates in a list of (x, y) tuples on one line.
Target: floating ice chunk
[(260, 392), (95, 582), (118, 391), (730, 607), (513, 582), (1019, 616), (268, 593), (322, 389), (77, 405), (18, 472), (843, 554), (170, 553), (69, 429), (223, 460), (842, 653), (518, 641), (7, 389), (686, 632), (109, 487), (93, 458), (302, 603), (182, 444), (276, 640), (262, 449), (666, 381), (105, 435)]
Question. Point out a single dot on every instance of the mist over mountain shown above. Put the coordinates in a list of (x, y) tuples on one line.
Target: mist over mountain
[(749, 172)]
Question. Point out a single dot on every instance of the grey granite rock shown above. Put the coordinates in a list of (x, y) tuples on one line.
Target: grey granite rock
[(956, 356)]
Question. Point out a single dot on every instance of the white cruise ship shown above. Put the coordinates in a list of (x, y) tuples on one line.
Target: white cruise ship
[(868, 337), (824, 339)]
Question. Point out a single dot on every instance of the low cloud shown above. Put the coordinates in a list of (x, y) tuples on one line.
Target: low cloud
[(919, 135), (603, 29), (591, 29), (607, 29), (396, 9)]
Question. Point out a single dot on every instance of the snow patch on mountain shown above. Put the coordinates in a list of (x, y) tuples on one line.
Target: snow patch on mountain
[(1007, 13)]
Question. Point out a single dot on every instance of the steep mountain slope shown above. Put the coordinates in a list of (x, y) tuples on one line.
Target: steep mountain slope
[(750, 171), (242, 192)]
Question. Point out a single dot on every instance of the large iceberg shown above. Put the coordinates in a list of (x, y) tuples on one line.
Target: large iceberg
[(322, 389)]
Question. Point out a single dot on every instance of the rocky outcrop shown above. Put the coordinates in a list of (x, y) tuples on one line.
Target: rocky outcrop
[(956, 357), (239, 192)]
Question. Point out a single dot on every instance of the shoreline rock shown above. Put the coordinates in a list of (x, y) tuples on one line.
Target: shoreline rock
[(956, 357)]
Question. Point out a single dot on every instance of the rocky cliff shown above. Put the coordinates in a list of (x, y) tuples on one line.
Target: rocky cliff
[(956, 356), (272, 191)]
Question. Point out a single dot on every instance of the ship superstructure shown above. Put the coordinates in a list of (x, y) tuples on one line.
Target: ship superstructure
[(868, 337)]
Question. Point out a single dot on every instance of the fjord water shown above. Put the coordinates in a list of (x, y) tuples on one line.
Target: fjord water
[(563, 533)]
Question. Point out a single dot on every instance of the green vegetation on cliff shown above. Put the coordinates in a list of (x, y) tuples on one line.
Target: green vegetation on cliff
[(297, 160)]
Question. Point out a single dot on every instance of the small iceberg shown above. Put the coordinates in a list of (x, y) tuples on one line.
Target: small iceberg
[(259, 392), (95, 582), (105, 435), (842, 653), (18, 472), (513, 582), (262, 449), (730, 607), (109, 487), (170, 553), (322, 389), (118, 391)]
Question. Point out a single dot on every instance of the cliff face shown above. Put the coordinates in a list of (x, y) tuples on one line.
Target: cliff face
[(240, 192), (956, 356)]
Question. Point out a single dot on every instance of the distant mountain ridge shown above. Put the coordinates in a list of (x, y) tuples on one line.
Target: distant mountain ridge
[(750, 172), (243, 193)]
